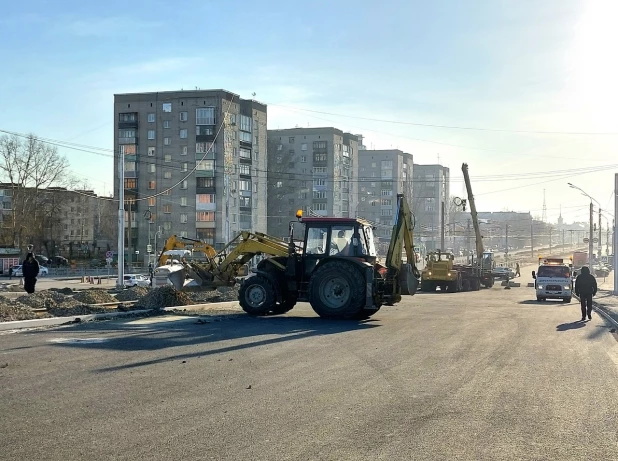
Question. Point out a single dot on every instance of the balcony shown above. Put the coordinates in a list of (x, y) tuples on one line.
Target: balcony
[(205, 138), (127, 124), (206, 190), (127, 140)]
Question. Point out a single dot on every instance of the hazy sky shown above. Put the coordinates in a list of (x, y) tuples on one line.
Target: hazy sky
[(495, 64)]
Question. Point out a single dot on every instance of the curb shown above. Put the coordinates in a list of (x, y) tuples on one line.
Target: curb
[(56, 321), (599, 310)]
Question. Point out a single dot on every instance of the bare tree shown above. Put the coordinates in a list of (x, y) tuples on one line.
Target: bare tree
[(30, 165)]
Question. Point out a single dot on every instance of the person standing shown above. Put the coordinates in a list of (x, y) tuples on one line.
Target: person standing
[(30, 270), (586, 288), (517, 273)]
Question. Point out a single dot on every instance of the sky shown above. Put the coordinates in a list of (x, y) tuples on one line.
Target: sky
[(524, 91)]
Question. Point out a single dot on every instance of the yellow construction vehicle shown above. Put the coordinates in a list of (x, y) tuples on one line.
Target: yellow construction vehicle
[(334, 268), (440, 271), (184, 243)]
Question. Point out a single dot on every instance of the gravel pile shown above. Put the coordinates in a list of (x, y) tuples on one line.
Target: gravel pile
[(48, 300), (94, 296), (221, 294), (79, 309), (132, 294), (64, 291), (166, 296), (12, 310)]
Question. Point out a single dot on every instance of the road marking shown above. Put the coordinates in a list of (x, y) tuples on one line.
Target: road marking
[(78, 340)]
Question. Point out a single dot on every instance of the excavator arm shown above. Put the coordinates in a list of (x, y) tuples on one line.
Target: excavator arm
[(181, 243), (405, 275)]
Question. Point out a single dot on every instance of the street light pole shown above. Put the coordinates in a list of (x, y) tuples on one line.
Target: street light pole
[(615, 243), (591, 232)]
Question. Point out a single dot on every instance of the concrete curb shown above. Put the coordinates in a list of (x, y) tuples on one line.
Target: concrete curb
[(55, 321)]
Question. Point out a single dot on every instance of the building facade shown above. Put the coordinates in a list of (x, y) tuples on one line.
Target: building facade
[(313, 169), (382, 175), (195, 165), (431, 190)]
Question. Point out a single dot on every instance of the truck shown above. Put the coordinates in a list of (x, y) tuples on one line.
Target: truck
[(552, 280), (580, 259), (334, 267), (440, 269)]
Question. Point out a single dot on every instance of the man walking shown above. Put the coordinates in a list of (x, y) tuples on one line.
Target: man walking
[(30, 270), (517, 273), (586, 288)]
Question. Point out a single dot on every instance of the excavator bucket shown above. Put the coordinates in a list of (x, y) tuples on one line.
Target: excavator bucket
[(177, 278)]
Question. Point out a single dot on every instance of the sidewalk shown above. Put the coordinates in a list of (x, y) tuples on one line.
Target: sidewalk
[(605, 300)]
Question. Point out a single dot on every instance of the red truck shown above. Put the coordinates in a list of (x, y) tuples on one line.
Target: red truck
[(580, 259)]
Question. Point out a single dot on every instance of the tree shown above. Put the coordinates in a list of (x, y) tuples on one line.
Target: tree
[(29, 166)]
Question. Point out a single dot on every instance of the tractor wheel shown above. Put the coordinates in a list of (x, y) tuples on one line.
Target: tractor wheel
[(337, 290), (257, 295), (409, 283)]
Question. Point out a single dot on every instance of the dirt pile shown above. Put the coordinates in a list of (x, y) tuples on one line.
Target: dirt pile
[(64, 291), (62, 310), (47, 300), (132, 294), (11, 310), (166, 296), (94, 296), (221, 294)]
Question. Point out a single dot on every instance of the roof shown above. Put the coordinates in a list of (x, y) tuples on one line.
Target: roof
[(327, 219)]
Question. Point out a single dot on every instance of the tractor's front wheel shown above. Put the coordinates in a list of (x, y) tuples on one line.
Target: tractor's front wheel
[(337, 290), (257, 295)]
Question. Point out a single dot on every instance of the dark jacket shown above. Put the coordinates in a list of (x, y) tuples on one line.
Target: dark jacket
[(585, 284), (30, 267)]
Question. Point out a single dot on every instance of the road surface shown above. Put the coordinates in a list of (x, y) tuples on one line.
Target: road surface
[(471, 376)]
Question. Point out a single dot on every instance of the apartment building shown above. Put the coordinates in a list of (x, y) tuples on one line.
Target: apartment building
[(382, 175), (313, 169), (195, 165), (431, 190)]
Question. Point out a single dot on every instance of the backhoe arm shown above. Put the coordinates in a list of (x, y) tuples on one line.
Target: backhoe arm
[(402, 238)]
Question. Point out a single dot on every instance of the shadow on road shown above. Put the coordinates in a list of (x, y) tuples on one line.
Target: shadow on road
[(570, 326), (542, 303), (194, 331)]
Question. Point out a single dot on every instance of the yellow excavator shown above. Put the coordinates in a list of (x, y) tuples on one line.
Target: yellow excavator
[(184, 243), (334, 268)]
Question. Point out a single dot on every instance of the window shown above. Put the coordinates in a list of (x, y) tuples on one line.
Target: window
[(184, 133), (303, 146), (205, 116), (303, 159), (128, 149), (206, 165), (245, 201), (246, 123), (184, 218), (244, 137), (184, 166), (387, 192), (316, 240), (245, 153), (279, 184), (167, 141), (280, 147), (387, 184), (129, 183), (205, 198), (183, 116), (151, 152), (244, 184), (167, 175), (255, 187), (204, 216), (167, 107), (319, 157), (152, 185), (244, 169), (167, 192), (167, 158), (204, 130), (319, 169), (234, 217), (151, 134), (126, 133), (183, 201), (319, 144), (152, 168), (319, 182), (167, 209), (167, 225), (387, 164), (386, 202), (151, 118), (205, 182), (184, 150), (184, 234), (184, 184), (319, 194), (203, 147), (152, 201), (291, 140), (386, 212), (319, 206), (166, 124)]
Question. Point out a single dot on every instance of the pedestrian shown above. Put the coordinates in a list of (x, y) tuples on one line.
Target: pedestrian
[(10, 272), (517, 273), (150, 271), (30, 270), (586, 288)]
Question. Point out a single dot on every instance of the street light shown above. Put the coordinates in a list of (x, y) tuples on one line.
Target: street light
[(148, 217), (591, 236)]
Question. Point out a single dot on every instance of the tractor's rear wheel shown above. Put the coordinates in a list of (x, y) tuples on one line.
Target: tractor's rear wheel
[(257, 295), (337, 290)]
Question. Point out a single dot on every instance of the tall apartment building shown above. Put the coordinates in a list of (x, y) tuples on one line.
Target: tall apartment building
[(431, 189), (195, 165), (382, 175), (314, 169)]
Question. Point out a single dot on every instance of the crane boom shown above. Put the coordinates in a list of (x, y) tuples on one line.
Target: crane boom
[(480, 249)]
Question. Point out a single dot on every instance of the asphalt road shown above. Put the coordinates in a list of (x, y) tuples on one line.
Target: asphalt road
[(466, 376)]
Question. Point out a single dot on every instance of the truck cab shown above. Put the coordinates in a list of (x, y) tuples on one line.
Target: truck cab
[(552, 280)]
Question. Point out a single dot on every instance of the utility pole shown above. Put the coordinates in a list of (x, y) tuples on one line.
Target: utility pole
[(615, 241), (600, 247), (550, 229), (591, 237), (129, 246), (532, 238), (506, 243), (442, 227), (120, 281), (562, 240)]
